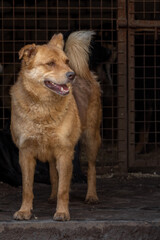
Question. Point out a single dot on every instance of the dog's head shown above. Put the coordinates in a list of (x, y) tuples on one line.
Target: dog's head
[(47, 66)]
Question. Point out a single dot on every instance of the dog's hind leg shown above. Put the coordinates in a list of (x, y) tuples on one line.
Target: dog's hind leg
[(27, 163), (53, 180), (93, 141)]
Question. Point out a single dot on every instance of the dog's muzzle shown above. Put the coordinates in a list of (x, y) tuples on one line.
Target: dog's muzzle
[(61, 89)]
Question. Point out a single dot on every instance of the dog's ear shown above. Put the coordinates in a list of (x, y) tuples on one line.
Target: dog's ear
[(27, 51), (57, 40)]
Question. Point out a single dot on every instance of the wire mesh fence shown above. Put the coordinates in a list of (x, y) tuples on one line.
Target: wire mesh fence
[(128, 71)]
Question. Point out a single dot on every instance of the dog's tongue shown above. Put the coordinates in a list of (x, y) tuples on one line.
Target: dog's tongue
[(61, 89)]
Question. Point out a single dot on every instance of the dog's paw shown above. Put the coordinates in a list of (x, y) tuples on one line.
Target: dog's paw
[(92, 199), (22, 215), (61, 216)]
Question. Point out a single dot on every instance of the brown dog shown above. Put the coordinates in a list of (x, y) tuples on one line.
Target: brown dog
[(51, 109)]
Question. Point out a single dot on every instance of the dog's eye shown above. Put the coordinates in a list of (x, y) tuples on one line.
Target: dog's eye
[(67, 61), (51, 64)]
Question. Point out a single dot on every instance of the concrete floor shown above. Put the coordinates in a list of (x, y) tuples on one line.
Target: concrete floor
[(128, 209)]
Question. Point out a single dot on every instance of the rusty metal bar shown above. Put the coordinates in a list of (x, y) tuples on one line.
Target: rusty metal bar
[(144, 24), (122, 17)]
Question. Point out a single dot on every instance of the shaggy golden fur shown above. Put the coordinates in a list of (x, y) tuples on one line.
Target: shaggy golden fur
[(51, 109)]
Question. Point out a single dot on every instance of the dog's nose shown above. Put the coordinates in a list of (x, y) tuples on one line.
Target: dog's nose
[(70, 75)]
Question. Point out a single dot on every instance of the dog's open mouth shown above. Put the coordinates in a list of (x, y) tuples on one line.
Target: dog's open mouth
[(61, 89)]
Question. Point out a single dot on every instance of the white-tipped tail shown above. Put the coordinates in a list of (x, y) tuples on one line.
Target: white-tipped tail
[(77, 49)]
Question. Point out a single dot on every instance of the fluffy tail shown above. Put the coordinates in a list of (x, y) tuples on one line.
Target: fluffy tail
[(77, 50)]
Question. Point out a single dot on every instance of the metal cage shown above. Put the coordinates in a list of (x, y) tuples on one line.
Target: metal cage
[(129, 76)]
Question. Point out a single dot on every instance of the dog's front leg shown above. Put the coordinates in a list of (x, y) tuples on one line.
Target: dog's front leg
[(27, 163), (53, 180), (64, 167)]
